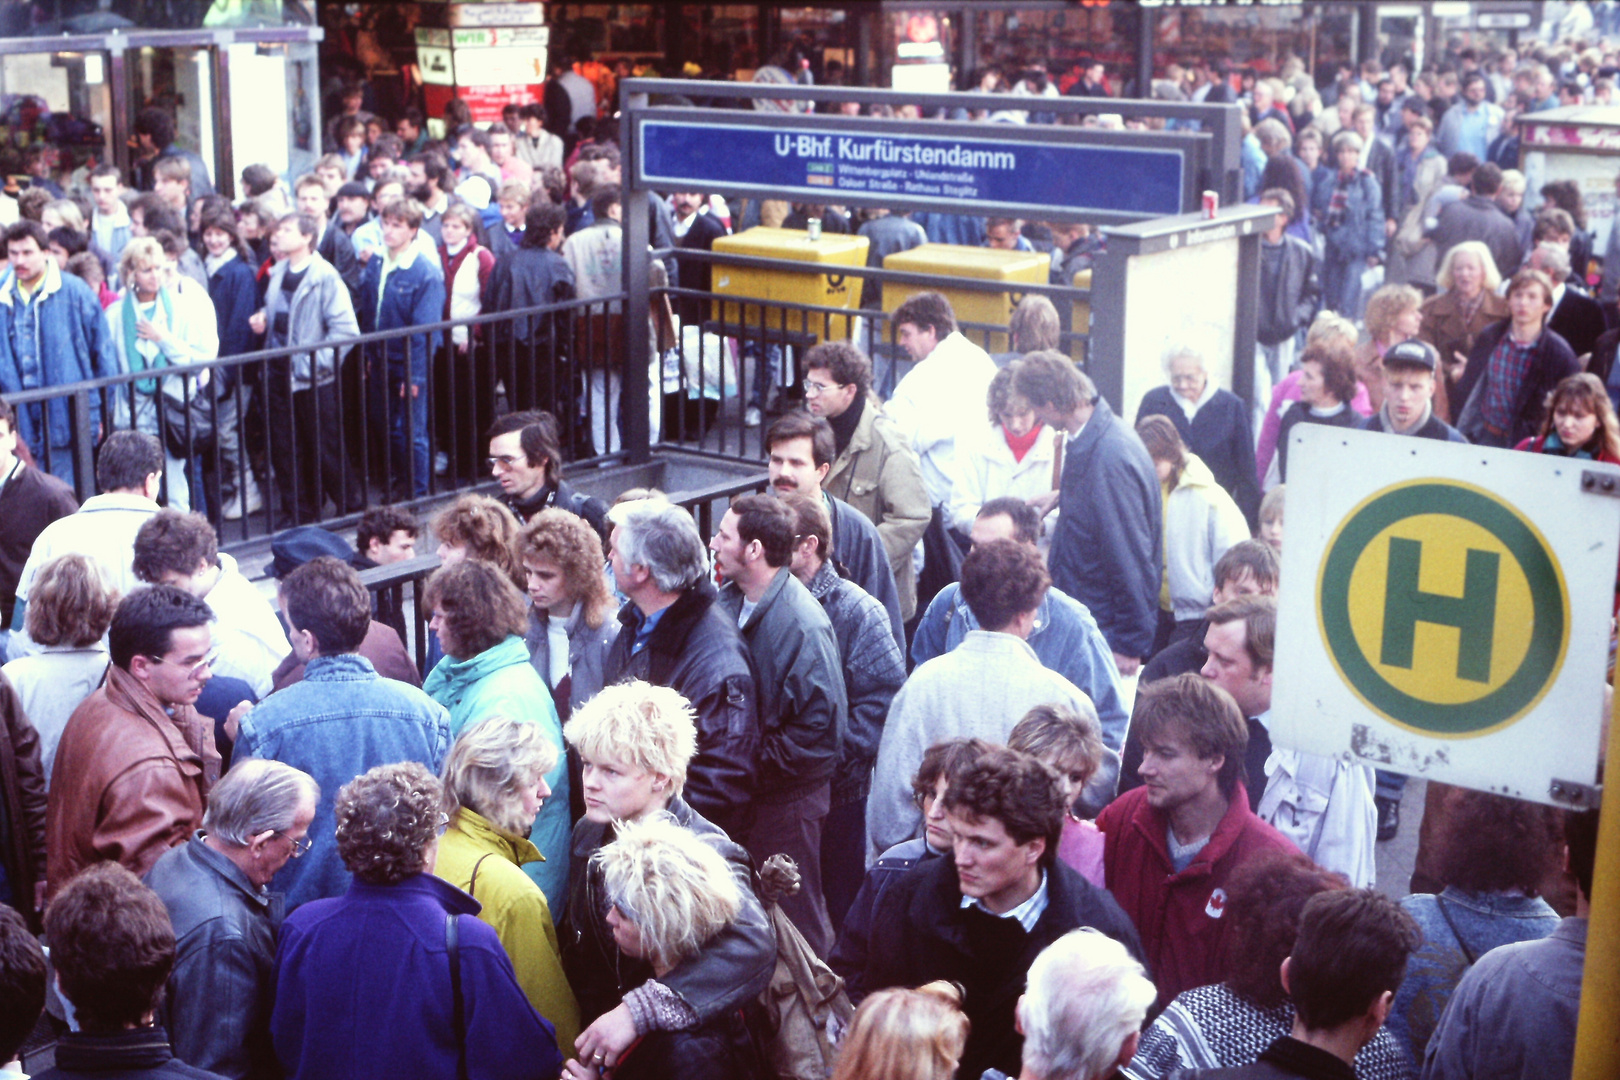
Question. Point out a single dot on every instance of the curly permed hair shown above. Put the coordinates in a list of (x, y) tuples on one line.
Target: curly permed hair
[(385, 818)]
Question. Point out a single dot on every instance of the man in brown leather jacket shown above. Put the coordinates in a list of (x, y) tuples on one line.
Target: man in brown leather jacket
[(136, 760)]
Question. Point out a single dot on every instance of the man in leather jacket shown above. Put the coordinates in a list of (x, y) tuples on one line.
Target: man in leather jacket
[(673, 635), (136, 759), (217, 1006)]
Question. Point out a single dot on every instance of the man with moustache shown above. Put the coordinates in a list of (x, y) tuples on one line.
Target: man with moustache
[(801, 454)]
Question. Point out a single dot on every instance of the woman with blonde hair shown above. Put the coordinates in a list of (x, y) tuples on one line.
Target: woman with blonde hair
[(156, 325), (69, 610), (1453, 319), (667, 893), (571, 623), (494, 785), (1392, 317), (635, 742), (901, 1034), (480, 617)]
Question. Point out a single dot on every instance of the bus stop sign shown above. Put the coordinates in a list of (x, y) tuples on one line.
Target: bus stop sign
[(1445, 610)]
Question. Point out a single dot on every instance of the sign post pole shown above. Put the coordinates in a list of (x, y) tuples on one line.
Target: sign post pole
[(1597, 1039)]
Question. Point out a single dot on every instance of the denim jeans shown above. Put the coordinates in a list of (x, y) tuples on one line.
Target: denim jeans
[(408, 441)]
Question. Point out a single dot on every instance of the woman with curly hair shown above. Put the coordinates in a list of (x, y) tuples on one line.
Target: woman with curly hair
[(1492, 856), (1230, 1023), (478, 527), (480, 616), (494, 786), (668, 893), (364, 983), (571, 624)]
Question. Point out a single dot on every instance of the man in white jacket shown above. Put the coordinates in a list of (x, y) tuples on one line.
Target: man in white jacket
[(941, 397), (180, 549), (944, 394), (1323, 804)]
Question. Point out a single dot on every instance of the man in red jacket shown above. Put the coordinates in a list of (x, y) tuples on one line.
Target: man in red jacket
[(1172, 844)]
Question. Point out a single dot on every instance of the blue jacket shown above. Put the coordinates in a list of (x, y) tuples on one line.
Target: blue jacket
[(500, 681), (340, 720), (1065, 639), (1108, 550), (412, 296), (73, 344), (235, 294), (1459, 927), (1361, 233), (363, 991)]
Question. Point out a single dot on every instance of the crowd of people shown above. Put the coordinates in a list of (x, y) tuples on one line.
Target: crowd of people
[(989, 663)]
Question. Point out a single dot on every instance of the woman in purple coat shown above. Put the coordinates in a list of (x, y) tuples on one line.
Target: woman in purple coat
[(364, 983)]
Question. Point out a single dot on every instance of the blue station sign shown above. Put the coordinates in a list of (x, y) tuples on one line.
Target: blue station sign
[(822, 163)]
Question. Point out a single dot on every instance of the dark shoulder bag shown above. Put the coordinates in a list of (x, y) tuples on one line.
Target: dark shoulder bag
[(458, 1005)]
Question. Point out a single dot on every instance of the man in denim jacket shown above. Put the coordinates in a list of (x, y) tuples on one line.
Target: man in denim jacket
[(341, 720), (397, 291)]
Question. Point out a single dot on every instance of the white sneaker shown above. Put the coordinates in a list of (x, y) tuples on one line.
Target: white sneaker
[(234, 509), (441, 463), (752, 417)]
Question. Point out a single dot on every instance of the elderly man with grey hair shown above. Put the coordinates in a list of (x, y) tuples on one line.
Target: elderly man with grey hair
[(1576, 317), (217, 1006), (673, 634), (1082, 1008)]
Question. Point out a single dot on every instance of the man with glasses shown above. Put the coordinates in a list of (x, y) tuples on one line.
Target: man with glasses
[(215, 887), (136, 759), (341, 719), (874, 469), (526, 459)]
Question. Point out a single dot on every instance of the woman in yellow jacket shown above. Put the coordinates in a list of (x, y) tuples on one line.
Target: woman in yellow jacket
[(494, 785)]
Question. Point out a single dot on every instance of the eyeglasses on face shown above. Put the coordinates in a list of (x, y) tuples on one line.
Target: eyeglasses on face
[(816, 389), (192, 670)]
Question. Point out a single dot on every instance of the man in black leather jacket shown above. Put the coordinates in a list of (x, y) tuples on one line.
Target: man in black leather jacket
[(217, 1005), (673, 635)]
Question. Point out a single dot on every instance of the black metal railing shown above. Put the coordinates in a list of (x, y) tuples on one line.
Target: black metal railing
[(280, 437), (404, 582), (296, 435)]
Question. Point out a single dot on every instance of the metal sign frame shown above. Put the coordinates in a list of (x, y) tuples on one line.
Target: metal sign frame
[(1438, 616), (1189, 147), (1214, 156)]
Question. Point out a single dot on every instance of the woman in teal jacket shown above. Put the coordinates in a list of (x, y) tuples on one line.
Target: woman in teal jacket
[(480, 618)]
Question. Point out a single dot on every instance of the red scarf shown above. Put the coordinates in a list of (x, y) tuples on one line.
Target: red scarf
[(1020, 444)]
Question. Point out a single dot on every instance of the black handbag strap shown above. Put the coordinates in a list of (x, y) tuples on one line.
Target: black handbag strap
[(458, 1005), (472, 883)]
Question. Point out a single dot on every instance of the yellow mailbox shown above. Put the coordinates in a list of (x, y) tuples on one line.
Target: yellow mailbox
[(787, 286), (985, 264)]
